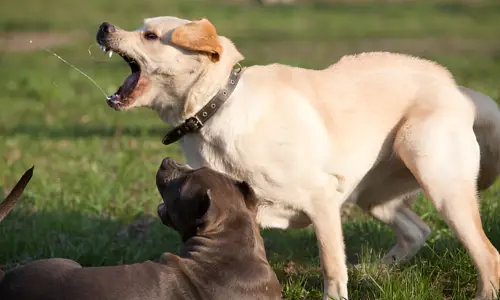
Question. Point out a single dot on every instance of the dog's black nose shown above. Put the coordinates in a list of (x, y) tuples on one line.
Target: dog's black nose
[(171, 168), (107, 27)]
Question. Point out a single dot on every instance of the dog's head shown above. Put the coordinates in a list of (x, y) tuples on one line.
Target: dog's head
[(167, 56), (202, 199)]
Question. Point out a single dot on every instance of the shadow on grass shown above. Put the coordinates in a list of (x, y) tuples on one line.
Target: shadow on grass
[(88, 130), (28, 234), (89, 240)]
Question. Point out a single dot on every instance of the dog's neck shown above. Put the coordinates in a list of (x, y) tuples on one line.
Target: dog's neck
[(194, 123), (201, 85), (246, 239)]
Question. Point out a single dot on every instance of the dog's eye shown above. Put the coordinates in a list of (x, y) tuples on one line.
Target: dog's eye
[(150, 36)]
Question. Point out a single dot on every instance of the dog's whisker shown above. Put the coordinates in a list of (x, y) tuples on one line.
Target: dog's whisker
[(77, 69)]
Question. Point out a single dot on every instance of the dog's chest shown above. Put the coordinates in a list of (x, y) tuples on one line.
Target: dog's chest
[(214, 154), (274, 184)]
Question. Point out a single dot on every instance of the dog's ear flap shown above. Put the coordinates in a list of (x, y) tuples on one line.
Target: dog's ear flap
[(249, 195), (199, 35)]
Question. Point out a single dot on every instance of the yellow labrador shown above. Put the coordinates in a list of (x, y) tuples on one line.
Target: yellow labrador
[(369, 129)]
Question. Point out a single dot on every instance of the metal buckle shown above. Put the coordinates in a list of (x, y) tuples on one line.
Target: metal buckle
[(237, 71), (193, 124)]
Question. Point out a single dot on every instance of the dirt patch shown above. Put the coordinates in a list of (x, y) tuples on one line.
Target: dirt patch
[(33, 41)]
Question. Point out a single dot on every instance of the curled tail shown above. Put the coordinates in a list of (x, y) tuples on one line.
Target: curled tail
[(487, 130)]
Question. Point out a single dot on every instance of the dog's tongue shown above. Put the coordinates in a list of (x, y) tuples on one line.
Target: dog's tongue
[(129, 85)]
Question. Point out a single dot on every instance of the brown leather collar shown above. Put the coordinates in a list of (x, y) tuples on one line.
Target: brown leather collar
[(195, 123)]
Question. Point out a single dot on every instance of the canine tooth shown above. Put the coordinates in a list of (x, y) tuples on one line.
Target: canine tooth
[(103, 49), (111, 98), (110, 53)]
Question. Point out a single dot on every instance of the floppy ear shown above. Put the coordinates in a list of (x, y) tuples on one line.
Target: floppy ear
[(249, 195), (199, 35)]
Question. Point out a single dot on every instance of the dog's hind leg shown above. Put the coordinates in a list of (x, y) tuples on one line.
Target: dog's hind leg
[(440, 149), (384, 194), (411, 231)]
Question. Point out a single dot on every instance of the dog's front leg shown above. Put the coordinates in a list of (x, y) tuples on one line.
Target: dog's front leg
[(325, 216)]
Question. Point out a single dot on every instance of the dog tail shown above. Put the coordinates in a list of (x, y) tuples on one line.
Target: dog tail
[(487, 130), (8, 203)]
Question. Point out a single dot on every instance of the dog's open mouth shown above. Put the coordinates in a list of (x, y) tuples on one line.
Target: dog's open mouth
[(133, 86)]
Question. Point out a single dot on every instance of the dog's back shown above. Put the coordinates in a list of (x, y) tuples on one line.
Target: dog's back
[(59, 278)]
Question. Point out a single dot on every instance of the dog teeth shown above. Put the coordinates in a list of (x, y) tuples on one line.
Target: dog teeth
[(111, 98), (106, 50)]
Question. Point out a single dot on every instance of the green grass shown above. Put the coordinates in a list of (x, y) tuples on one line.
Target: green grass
[(93, 196)]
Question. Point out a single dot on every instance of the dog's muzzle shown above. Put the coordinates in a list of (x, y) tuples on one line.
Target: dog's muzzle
[(169, 163), (170, 169)]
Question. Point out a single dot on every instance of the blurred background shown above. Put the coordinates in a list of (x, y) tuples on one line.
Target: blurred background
[(93, 196)]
